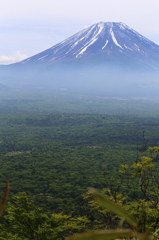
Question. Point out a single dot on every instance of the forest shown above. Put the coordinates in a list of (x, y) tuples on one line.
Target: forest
[(51, 151)]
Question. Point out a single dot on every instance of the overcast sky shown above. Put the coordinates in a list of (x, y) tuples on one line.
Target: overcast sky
[(31, 26)]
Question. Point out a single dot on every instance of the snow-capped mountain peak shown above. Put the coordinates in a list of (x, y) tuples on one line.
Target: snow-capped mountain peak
[(110, 39), (107, 59)]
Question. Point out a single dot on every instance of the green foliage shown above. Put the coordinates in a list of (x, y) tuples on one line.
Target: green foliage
[(113, 207), (71, 224), (25, 221), (57, 156), (104, 217), (29, 222), (111, 234), (141, 180), (146, 179), (54, 157)]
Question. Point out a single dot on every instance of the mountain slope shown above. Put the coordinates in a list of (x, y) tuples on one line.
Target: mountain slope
[(115, 42), (105, 59)]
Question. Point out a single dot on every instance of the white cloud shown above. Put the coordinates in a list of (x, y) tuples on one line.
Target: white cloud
[(16, 57)]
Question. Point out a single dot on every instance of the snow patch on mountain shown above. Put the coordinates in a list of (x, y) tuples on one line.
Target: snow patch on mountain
[(84, 49), (105, 44), (98, 31), (42, 57), (114, 39), (128, 47)]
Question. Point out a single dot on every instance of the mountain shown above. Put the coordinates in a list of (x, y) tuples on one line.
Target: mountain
[(109, 42), (105, 59)]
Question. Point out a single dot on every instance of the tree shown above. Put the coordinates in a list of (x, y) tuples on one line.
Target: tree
[(142, 199), (27, 222)]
